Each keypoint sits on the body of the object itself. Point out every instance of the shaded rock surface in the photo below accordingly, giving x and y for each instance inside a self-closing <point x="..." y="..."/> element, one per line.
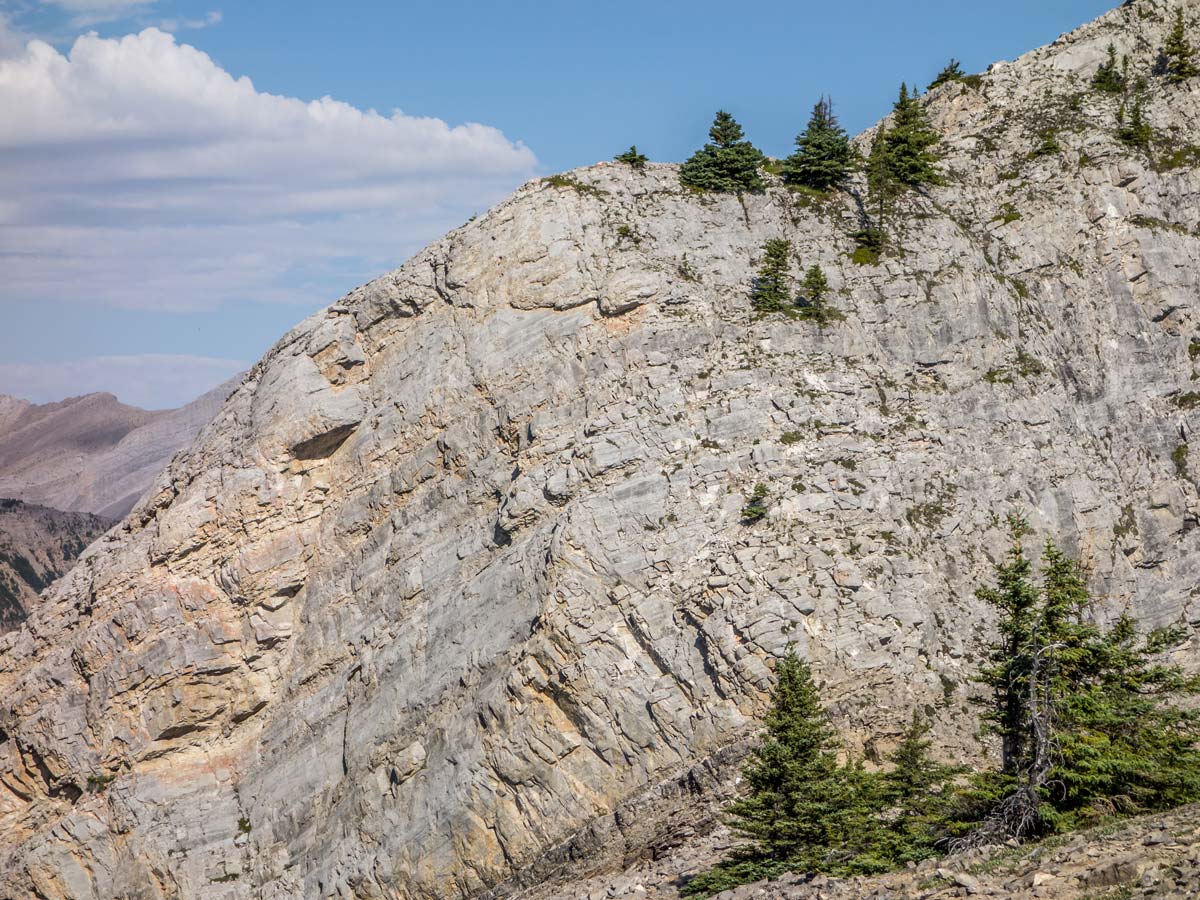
<point x="454" y="594"/>
<point x="37" y="546"/>
<point x="93" y="453"/>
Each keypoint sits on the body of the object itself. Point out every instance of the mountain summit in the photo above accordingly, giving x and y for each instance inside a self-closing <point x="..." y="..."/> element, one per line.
<point x="456" y="594"/>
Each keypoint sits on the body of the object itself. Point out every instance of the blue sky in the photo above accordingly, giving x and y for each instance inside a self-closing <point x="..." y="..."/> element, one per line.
<point x="163" y="222"/>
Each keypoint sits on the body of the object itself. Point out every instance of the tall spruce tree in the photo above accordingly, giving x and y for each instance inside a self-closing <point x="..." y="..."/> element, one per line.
<point x="824" y="156"/>
<point x="803" y="811"/>
<point x="910" y="142"/>
<point x="1006" y="672"/>
<point x="798" y="793"/>
<point x="772" y="286"/>
<point x="918" y="790"/>
<point x="1090" y="718"/>
<point x="1179" y="57"/>
<point x="882" y="191"/>
<point x="727" y="163"/>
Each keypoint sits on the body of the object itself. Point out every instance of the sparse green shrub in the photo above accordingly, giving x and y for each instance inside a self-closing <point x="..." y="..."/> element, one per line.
<point x="566" y="181"/>
<point x="1132" y="128"/>
<point x="632" y="158"/>
<point x="790" y="437"/>
<point x="1047" y="145"/>
<point x="1127" y="524"/>
<point x="927" y="515"/>
<point x="1179" y="458"/>
<point x="1024" y="365"/>
<point x="629" y="233"/>
<point x="1187" y="155"/>
<point x="952" y="72"/>
<point x="727" y="164"/>
<point x="755" y="509"/>
<point x="1008" y="213"/>
<point x="1109" y="77"/>
<point x="98" y="783"/>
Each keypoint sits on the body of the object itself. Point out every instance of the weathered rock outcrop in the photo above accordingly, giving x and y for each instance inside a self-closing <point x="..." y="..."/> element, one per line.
<point x="455" y="589"/>
<point x="93" y="453"/>
<point x="38" y="545"/>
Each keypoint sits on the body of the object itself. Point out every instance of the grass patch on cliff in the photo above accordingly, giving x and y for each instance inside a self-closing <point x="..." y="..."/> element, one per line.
<point x="1024" y="366"/>
<point x="99" y="783"/>
<point x="1127" y="524"/>
<point x="569" y="183"/>
<point x="1180" y="157"/>
<point x="1179" y="458"/>
<point x="628" y="233"/>
<point x="1008" y="213"/>
<point x="1156" y="224"/>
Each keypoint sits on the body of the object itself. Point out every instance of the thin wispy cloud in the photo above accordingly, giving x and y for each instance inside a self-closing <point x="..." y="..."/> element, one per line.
<point x="93" y="12"/>
<point x="173" y="26"/>
<point x="151" y="380"/>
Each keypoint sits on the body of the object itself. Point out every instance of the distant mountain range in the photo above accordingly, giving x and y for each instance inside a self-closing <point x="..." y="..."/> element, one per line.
<point x="37" y="546"/>
<point x="93" y="453"/>
<point x="69" y="471"/>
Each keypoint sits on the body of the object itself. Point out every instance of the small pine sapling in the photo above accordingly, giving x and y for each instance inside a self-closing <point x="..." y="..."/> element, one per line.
<point x="632" y="158"/>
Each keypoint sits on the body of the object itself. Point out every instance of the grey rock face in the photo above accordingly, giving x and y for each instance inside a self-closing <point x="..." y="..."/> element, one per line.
<point x="454" y="594"/>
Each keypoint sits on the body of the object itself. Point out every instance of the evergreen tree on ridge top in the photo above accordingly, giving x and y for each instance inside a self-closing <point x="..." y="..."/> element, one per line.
<point x="727" y="164"/>
<point x="910" y="142"/>
<point x="824" y="155"/>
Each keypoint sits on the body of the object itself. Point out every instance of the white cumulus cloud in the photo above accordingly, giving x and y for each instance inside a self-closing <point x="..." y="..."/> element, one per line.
<point x="137" y="172"/>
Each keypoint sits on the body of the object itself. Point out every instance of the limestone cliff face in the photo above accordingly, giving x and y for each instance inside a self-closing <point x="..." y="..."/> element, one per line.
<point x="455" y="586"/>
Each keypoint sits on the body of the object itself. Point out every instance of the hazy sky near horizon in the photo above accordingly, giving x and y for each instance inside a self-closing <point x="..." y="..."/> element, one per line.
<point x="181" y="182"/>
